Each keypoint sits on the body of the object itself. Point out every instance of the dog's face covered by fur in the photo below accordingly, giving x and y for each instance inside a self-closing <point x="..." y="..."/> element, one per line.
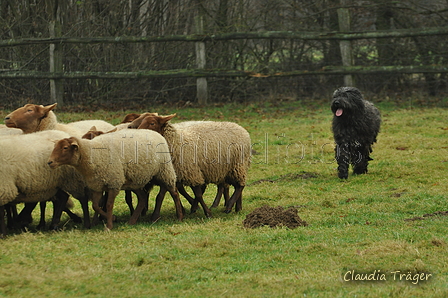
<point x="347" y="101"/>
<point x="356" y="123"/>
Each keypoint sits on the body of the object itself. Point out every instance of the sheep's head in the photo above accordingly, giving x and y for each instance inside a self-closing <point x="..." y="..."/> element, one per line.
<point x="28" y="117"/>
<point x="65" y="152"/>
<point x="93" y="132"/>
<point x="137" y="121"/>
<point x="152" y="122"/>
<point x="130" y="117"/>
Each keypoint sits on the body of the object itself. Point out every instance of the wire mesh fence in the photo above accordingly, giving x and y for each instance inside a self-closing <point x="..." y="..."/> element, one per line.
<point x="264" y="56"/>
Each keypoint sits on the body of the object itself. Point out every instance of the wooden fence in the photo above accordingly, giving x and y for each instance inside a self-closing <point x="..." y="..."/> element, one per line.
<point x="56" y="74"/>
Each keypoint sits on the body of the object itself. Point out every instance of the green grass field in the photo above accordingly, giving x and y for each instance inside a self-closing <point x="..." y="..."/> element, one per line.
<point x="357" y="227"/>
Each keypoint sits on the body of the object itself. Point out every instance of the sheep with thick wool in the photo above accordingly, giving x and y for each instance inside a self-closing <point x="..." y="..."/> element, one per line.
<point x="223" y="188"/>
<point x="126" y="159"/>
<point x="25" y="174"/>
<point x="6" y="131"/>
<point x="205" y="152"/>
<point x="32" y="118"/>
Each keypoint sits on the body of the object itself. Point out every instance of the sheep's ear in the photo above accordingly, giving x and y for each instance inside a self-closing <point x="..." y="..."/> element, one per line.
<point x="130" y="117"/>
<point x="73" y="143"/>
<point x="93" y="128"/>
<point x="43" y="111"/>
<point x="113" y="130"/>
<point x="165" y="119"/>
<point x="50" y="107"/>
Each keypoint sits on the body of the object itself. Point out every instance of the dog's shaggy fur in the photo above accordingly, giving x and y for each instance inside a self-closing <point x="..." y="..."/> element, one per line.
<point x="356" y="123"/>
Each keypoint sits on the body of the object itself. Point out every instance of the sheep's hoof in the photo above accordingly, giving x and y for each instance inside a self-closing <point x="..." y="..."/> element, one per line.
<point x="227" y="211"/>
<point x="194" y="208"/>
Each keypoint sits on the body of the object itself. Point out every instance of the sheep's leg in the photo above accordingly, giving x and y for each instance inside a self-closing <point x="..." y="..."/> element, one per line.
<point x="11" y="215"/>
<point x="72" y="215"/>
<point x="159" y="200"/>
<point x="226" y="194"/>
<point x="148" y="187"/>
<point x="222" y="190"/>
<point x="84" y="201"/>
<point x="2" y="221"/>
<point x="102" y="204"/>
<point x="198" y="198"/>
<point x="110" y="208"/>
<point x="43" y="206"/>
<point x="24" y="218"/>
<point x="195" y="205"/>
<point x="177" y="203"/>
<point x="239" y="203"/>
<point x="234" y="198"/>
<point x="128" y="199"/>
<point x="145" y="201"/>
<point x="183" y="192"/>
<point x="58" y="206"/>
<point x="96" y="199"/>
<point x="142" y="197"/>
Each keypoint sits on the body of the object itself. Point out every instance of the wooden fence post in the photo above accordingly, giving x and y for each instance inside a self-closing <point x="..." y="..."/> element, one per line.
<point x="201" y="83"/>
<point x="345" y="45"/>
<point x="56" y="85"/>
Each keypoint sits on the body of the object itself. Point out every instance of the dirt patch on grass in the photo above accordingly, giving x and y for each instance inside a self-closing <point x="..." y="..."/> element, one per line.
<point x="425" y="216"/>
<point x="288" y="177"/>
<point x="274" y="217"/>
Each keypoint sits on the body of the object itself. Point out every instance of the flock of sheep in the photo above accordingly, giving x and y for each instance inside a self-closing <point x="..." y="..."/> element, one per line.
<point x="92" y="160"/>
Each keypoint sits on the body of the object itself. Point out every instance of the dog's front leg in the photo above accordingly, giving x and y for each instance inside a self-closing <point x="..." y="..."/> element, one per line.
<point x="362" y="160"/>
<point x="342" y="154"/>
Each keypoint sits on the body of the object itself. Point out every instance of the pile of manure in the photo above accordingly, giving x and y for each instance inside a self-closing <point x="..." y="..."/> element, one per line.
<point x="274" y="217"/>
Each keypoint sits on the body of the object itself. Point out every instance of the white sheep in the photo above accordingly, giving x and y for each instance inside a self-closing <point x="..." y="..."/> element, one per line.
<point x="6" y="131"/>
<point x="205" y="152"/>
<point x="25" y="174"/>
<point x="126" y="159"/>
<point x="223" y="188"/>
<point x="32" y="118"/>
<point x="92" y="133"/>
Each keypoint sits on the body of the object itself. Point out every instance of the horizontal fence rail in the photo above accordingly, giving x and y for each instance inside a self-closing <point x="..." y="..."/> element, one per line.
<point x="182" y="73"/>
<point x="399" y="33"/>
<point x="56" y="75"/>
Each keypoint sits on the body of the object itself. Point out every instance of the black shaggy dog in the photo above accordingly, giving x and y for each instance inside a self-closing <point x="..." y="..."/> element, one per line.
<point x="356" y="123"/>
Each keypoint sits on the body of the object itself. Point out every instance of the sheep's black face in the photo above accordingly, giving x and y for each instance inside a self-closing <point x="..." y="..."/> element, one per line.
<point x="347" y="101"/>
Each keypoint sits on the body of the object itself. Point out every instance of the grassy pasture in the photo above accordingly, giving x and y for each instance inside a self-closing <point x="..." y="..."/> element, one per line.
<point x="355" y="226"/>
